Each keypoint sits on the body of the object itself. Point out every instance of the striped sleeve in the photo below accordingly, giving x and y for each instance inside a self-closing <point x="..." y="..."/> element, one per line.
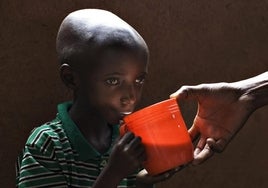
<point x="37" y="166"/>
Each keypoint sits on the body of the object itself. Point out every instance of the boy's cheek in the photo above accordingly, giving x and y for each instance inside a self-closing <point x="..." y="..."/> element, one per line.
<point x="106" y="99"/>
<point x="109" y="95"/>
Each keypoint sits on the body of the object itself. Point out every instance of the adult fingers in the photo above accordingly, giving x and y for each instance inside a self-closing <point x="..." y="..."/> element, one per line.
<point x="200" y="146"/>
<point x="188" y="92"/>
<point x="211" y="143"/>
<point x="202" y="154"/>
<point x="193" y="132"/>
<point x="181" y="93"/>
<point x="220" y="145"/>
<point x="201" y="143"/>
<point x="211" y="146"/>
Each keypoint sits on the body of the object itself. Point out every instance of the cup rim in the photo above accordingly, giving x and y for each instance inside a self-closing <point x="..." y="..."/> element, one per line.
<point x="169" y="103"/>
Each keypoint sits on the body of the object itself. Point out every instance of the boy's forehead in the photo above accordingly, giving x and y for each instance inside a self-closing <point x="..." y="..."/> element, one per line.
<point x="122" y="64"/>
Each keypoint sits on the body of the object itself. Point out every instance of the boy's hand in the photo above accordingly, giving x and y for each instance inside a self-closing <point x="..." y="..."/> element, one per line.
<point x="127" y="155"/>
<point x="144" y="180"/>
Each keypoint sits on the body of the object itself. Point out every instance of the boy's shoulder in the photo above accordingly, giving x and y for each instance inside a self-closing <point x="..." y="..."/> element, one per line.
<point x="46" y="134"/>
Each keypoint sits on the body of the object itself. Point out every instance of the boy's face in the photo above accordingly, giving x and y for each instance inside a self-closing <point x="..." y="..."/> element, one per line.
<point x="115" y="86"/>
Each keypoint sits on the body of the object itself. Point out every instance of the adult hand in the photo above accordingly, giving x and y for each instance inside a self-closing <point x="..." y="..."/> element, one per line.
<point x="223" y="109"/>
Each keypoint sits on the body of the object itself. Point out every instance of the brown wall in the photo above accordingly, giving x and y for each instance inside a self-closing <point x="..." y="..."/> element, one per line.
<point x="190" y="41"/>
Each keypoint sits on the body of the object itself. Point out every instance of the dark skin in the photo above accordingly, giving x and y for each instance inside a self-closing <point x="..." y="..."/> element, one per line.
<point x="113" y="88"/>
<point x="104" y="63"/>
<point x="223" y="109"/>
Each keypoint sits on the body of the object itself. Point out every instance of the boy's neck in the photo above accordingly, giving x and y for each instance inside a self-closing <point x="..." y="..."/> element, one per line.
<point x="97" y="131"/>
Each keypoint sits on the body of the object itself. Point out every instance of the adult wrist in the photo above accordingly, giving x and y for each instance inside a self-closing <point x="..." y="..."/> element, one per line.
<point x="254" y="91"/>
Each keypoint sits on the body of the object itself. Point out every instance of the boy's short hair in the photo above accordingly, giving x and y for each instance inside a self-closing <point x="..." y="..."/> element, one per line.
<point x="85" y="33"/>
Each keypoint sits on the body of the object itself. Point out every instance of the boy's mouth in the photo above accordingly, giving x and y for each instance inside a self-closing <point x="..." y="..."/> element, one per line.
<point x="123" y="114"/>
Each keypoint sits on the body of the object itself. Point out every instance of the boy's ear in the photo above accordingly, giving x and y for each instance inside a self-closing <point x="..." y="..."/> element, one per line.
<point x="69" y="77"/>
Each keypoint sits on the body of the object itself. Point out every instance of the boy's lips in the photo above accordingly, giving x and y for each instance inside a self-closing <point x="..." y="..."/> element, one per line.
<point x="123" y="114"/>
<point x="126" y="113"/>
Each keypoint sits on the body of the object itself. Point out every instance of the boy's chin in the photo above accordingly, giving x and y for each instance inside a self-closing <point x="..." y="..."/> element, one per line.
<point x="114" y="119"/>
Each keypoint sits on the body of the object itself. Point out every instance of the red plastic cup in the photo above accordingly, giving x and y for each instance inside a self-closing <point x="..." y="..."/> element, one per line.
<point x="164" y="135"/>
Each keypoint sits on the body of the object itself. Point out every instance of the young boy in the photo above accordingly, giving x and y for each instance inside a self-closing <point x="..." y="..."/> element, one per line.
<point x="104" y="62"/>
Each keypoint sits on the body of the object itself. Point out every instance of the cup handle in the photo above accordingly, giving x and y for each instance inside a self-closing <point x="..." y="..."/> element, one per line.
<point x="123" y="129"/>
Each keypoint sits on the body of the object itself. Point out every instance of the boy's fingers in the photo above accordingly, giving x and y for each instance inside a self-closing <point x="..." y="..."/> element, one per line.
<point x="126" y="138"/>
<point x="136" y="148"/>
<point x="139" y="151"/>
<point x="142" y="156"/>
<point x="135" y="142"/>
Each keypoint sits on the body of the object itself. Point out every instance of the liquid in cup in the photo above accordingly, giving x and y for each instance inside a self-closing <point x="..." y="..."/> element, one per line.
<point x="164" y="135"/>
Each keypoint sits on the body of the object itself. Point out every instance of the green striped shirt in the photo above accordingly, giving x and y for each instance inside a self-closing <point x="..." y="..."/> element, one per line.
<point x="57" y="155"/>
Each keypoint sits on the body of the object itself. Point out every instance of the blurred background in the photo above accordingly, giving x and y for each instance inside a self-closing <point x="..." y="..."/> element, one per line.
<point x="190" y="42"/>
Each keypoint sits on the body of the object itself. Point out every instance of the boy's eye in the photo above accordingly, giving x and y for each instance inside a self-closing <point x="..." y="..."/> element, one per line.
<point x="140" y="80"/>
<point x="112" y="81"/>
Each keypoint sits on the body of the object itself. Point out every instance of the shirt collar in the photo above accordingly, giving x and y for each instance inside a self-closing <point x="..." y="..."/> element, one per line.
<point x="78" y="141"/>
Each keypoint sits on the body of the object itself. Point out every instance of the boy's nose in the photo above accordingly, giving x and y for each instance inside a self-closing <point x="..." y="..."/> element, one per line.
<point x="128" y="101"/>
<point x="129" y="98"/>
